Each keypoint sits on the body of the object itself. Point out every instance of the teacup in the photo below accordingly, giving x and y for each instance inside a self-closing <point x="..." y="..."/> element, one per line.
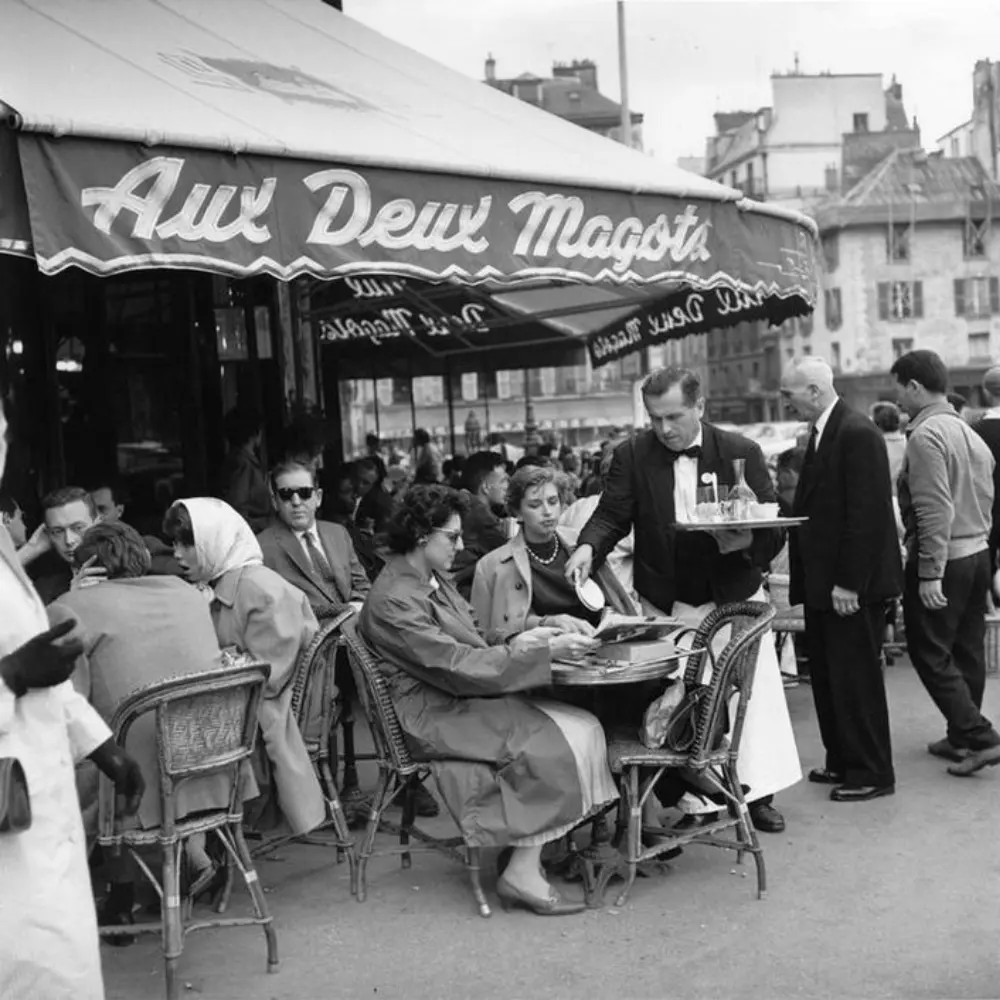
<point x="764" y="511"/>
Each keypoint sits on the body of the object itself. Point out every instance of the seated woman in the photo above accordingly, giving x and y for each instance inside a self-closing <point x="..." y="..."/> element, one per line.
<point x="141" y="629"/>
<point x="523" y="584"/>
<point x="512" y="770"/>
<point x="253" y="608"/>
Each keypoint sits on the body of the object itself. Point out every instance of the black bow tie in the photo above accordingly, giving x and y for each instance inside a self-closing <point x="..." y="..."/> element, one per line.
<point x="693" y="452"/>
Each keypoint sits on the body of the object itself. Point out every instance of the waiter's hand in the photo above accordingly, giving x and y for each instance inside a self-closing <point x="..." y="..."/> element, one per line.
<point x="845" y="602"/>
<point x="579" y="564"/>
<point x="732" y="539"/>
<point x="932" y="595"/>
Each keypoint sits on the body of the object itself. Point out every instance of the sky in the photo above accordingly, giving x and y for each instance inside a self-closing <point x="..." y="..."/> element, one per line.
<point x="687" y="60"/>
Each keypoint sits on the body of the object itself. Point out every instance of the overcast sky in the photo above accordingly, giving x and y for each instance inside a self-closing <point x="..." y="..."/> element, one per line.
<point x="688" y="60"/>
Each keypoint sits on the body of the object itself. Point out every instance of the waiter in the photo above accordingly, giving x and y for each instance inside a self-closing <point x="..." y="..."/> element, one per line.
<point x="651" y="486"/>
<point x="48" y="930"/>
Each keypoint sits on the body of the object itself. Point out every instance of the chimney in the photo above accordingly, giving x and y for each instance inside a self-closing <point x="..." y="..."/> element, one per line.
<point x="491" y="68"/>
<point x="585" y="70"/>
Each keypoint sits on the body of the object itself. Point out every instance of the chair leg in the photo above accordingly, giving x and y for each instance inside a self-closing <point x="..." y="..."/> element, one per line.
<point x="473" y="864"/>
<point x="173" y="926"/>
<point x="409" y="818"/>
<point x="746" y="832"/>
<point x="256" y="895"/>
<point x="383" y="792"/>
<point x="634" y="833"/>
<point x="345" y="845"/>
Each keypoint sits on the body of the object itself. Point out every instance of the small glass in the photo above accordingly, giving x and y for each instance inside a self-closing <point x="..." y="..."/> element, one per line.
<point x="707" y="507"/>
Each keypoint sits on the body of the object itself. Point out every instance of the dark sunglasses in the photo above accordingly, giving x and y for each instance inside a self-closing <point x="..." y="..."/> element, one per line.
<point x="303" y="493"/>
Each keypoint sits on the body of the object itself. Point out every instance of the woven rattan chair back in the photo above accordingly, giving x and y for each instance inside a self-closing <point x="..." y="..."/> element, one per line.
<point x="313" y="687"/>
<point x="732" y="673"/>
<point x="387" y="734"/>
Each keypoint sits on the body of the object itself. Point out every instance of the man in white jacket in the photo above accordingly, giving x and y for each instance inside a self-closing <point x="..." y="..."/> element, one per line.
<point x="48" y="929"/>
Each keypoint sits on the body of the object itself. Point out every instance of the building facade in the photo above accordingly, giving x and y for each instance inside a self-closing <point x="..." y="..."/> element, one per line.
<point x="911" y="260"/>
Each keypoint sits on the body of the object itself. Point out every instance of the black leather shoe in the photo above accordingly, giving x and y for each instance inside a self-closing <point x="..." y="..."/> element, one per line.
<point x="976" y="761"/>
<point x="821" y="776"/>
<point x="861" y="793"/>
<point x="766" y="818"/>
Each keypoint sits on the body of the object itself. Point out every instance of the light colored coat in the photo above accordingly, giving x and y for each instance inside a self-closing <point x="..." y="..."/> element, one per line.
<point x="48" y="928"/>
<point x="140" y="631"/>
<point x="502" y="591"/>
<point x="255" y="609"/>
<point x="283" y="552"/>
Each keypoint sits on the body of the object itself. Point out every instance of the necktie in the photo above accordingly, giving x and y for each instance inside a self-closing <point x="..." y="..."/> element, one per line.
<point x="811" y="447"/>
<point x="320" y="562"/>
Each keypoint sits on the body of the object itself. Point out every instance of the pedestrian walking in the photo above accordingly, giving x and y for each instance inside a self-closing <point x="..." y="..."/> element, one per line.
<point x="845" y="564"/>
<point x="946" y="497"/>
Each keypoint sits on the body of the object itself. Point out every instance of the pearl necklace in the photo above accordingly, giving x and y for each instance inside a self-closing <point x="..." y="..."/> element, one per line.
<point x="544" y="561"/>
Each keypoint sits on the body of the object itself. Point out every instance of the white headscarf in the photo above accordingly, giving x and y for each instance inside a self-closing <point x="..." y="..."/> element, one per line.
<point x="222" y="539"/>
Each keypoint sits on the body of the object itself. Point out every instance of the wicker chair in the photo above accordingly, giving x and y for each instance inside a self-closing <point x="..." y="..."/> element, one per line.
<point x="205" y="724"/>
<point x="640" y="768"/>
<point x="313" y="689"/>
<point x="788" y="620"/>
<point x="398" y="773"/>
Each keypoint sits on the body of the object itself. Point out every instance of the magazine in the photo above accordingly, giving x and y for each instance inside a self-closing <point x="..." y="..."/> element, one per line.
<point x="616" y="627"/>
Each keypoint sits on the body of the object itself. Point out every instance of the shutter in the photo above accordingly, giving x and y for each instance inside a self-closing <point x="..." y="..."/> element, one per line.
<point x="883" y="300"/>
<point x="995" y="295"/>
<point x="918" y="299"/>
<point x="960" y="296"/>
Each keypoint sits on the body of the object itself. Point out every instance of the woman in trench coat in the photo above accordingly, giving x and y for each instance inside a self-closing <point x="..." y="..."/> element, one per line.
<point x="258" y="611"/>
<point x="512" y="770"/>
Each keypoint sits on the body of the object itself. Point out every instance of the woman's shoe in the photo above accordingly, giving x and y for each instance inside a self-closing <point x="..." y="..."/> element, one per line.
<point x="552" y="905"/>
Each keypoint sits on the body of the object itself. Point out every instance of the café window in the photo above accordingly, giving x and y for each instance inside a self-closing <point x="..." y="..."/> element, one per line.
<point x="901" y="346"/>
<point x="979" y="346"/>
<point x="900" y="300"/>
<point x="470" y="387"/>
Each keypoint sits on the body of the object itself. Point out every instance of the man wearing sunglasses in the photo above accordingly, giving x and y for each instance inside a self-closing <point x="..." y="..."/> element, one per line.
<point x="316" y="556"/>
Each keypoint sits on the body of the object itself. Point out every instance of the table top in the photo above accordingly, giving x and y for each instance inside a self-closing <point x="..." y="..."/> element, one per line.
<point x="593" y="671"/>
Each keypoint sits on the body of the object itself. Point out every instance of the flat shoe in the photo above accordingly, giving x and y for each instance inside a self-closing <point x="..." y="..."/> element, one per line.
<point x="552" y="905"/>
<point x="692" y="821"/>
<point x="860" y="793"/>
<point x="976" y="761"/>
<point x="821" y="776"/>
<point x="944" y="748"/>
<point x="767" y="819"/>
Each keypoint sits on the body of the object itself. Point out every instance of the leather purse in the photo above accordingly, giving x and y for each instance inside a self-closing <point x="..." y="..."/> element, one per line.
<point x="15" y="803"/>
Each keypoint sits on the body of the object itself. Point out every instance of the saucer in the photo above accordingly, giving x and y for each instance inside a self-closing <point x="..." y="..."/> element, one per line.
<point x="591" y="596"/>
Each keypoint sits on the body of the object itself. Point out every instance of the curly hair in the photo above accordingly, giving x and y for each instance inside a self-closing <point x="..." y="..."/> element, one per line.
<point x="528" y="477"/>
<point x="422" y="509"/>
<point x="119" y="548"/>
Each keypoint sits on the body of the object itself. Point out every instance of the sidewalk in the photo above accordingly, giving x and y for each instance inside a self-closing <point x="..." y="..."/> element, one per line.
<point x="892" y="898"/>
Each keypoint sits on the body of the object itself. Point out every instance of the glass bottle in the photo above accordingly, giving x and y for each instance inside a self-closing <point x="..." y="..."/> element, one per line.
<point x="740" y="495"/>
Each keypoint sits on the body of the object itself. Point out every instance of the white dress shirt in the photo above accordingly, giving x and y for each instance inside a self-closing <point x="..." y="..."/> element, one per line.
<point x="686" y="483"/>
<point x="822" y="419"/>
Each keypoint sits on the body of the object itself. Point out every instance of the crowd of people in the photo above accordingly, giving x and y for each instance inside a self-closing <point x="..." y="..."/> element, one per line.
<point x="466" y="577"/>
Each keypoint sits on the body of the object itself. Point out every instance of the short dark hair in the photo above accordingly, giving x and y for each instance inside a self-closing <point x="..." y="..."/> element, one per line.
<point x="117" y="489"/>
<point x="422" y="509"/>
<point x="885" y="416"/>
<point x="66" y="495"/>
<point x="792" y="460"/>
<point x="290" y="465"/>
<point x="478" y="468"/>
<point x="118" y="547"/>
<point x="177" y="526"/>
<point x="365" y="464"/>
<point x="924" y="367"/>
<point x="241" y="424"/>
<point x="662" y="380"/>
<point x="532" y="462"/>
<point x="421" y="437"/>
<point x="528" y="477"/>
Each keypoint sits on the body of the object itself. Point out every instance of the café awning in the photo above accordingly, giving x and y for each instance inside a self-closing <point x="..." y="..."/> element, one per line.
<point x="281" y="137"/>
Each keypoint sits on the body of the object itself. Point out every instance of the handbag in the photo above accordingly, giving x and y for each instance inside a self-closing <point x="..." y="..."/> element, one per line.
<point x="15" y="803"/>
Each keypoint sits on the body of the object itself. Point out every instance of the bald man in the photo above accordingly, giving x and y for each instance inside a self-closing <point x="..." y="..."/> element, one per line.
<point x="845" y="564"/>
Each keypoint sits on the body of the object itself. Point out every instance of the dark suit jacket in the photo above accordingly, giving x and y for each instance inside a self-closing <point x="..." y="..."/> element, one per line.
<point x="671" y="565"/>
<point x="284" y="554"/>
<point x="850" y="539"/>
<point x="482" y="532"/>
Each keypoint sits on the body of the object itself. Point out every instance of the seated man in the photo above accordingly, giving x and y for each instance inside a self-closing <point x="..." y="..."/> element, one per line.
<point x="316" y="556"/>
<point x="48" y="554"/>
<point x="484" y="526"/>
<point x="141" y="629"/>
<point x="110" y="498"/>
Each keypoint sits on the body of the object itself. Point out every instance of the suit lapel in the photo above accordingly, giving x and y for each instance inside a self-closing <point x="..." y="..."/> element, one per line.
<point x="712" y="459"/>
<point x="812" y="475"/>
<point x="292" y="548"/>
<point x="519" y="552"/>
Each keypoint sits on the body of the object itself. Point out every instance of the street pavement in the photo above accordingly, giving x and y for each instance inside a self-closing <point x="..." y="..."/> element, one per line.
<point x="892" y="898"/>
